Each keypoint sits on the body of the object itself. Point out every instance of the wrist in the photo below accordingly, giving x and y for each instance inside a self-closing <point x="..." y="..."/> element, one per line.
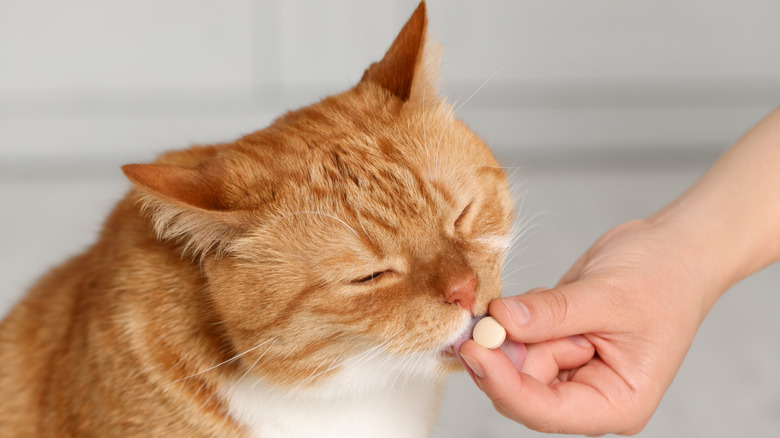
<point x="719" y="239"/>
<point x="698" y="248"/>
<point x="729" y="221"/>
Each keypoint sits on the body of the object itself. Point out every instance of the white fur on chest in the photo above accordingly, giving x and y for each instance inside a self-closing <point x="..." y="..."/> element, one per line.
<point x="383" y="398"/>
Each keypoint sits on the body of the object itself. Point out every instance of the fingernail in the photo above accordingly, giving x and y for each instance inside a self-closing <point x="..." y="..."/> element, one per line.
<point x="518" y="310"/>
<point x="475" y="366"/>
<point x="580" y="340"/>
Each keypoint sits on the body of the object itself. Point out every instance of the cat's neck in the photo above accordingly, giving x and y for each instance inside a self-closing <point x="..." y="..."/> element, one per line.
<point x="356" y="402"/>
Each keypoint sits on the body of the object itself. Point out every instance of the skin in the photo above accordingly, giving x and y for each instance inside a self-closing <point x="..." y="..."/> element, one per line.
<point x="637" y="296"/>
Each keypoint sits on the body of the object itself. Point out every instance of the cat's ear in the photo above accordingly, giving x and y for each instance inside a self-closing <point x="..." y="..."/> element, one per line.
<point x="410" y="68"/>
<point x="184" y="204"/>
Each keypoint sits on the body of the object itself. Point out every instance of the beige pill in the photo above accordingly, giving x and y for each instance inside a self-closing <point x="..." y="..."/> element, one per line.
<point x="489" y="333"/>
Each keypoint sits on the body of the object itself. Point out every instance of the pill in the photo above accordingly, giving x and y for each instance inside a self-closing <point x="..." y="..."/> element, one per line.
<point x="489" y="333"/>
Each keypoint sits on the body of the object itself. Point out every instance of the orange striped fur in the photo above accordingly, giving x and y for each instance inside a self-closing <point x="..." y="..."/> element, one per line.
<point x="333" y="255"/>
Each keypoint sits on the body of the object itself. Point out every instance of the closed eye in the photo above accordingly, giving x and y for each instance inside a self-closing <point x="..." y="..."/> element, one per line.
<point x="462" y="215"/>
<point x="369" y="278"/>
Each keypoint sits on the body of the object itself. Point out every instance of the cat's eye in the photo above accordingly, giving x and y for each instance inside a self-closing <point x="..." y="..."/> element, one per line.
<point x="463" y="214"/>
<point x="369" y="278"/>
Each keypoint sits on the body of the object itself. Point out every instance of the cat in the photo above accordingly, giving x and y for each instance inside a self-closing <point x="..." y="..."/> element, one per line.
<point x="311" y="279"/>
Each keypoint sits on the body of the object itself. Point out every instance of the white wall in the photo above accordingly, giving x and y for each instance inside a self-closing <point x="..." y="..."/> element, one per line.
<point x="99" y="82"/>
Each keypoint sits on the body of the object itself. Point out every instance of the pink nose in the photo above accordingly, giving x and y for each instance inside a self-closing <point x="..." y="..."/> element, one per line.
<point x="460" y="291"/>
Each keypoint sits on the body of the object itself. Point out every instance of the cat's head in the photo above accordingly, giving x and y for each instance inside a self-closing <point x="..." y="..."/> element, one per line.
<point x="371" y="226"/>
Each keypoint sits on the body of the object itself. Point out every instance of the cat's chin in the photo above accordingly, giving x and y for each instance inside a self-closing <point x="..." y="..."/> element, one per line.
<point x="450" y="355"/>
<point x="449" y="359"/>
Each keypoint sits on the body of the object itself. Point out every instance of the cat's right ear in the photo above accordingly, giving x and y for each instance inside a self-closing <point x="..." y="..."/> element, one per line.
<point x="410" y="68"/>
<point x="185" y="204"/>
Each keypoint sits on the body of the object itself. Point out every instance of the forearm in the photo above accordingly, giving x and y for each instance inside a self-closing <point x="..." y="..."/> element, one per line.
<point x="728" y="223"/>
<point x="634" y="296"/>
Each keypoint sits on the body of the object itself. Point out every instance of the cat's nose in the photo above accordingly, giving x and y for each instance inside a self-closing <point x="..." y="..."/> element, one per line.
<point x="460" y="291"/>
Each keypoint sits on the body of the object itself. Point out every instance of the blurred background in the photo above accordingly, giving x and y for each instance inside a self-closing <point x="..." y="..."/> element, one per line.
<point x="602" y="110"/>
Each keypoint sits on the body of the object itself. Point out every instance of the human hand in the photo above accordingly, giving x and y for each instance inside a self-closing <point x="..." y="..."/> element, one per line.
<point x="637" y="296"/>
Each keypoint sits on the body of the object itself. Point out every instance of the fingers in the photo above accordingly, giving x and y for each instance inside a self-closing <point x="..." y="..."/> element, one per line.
<point x="577" y="406"/>
<point x="545" y="361"/>
<point x="554" y="313"/>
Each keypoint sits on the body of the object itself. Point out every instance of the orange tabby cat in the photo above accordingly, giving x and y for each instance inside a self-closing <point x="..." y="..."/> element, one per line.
<point x="313" y="278"/>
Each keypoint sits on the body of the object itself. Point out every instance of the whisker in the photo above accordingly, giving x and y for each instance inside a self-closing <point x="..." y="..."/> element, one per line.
<point x="438" y="143"/>
<point x="362" y="358"/>
<point x="407" y="359"/>
<point x="364" y="230"/>
<point x="505" y="168"/>
<point x="417" y="360"/>
<point x="520" y="268"/>
<point x="366" y="355"/>
<point x="381" y="364"/>
<point x="398" y="373"/>
<point x="222" y="363"/>
<point x="514" y="284"/>
<point x="477" y="90"/>
<point x="313" y="375"/>
<point x="512" y="256"/>
<point x="250" y="368"/>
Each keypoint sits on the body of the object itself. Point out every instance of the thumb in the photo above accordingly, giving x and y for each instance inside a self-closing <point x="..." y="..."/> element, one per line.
<point x="545" y="314"/>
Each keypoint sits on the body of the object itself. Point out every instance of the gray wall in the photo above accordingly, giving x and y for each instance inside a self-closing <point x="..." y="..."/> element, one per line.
<point x="91" y="84"/>
<point x="609" y="109"/>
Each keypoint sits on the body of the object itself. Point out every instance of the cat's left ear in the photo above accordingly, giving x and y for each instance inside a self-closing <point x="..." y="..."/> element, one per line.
<point x="410" y="68"/>
<point x="185" y="204"/>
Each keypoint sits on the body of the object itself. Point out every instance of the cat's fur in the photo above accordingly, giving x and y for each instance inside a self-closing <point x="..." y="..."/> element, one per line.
<point x="236" y="290"/>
